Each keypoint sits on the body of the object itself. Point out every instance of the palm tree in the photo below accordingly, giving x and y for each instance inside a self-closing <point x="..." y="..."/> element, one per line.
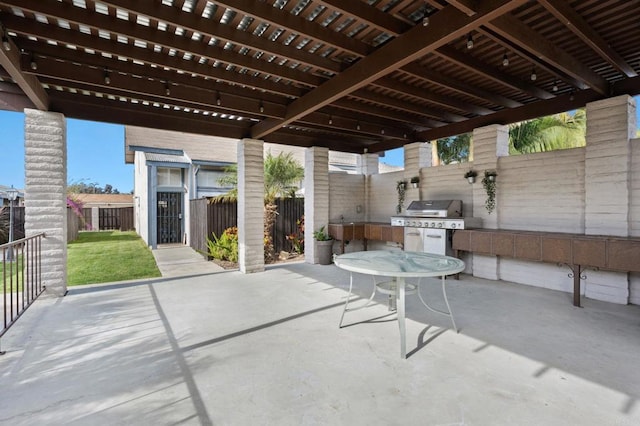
<point x="282" y="173"/>
<point x="558" y="131"/>
<point x="454" y="149"/>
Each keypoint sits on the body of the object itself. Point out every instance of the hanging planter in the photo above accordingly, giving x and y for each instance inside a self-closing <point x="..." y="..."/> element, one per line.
<point x="489" y="184"/>
<point x="470" y="176"/>
<point x="415" y="181"/>
<point x="401" y="188"/>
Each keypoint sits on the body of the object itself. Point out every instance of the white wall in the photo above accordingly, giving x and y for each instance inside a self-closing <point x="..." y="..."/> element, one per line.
<point x="383" y="197"/>
<point x="448" y="183"/>
<point x="634" y="215"/>
<point x="140" y="193"/>
<point x="347" y="192"/>
<point x="542" y="192"/>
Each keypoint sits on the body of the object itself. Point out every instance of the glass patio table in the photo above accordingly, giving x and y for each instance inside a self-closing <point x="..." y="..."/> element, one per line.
<point x="399" y="265"/>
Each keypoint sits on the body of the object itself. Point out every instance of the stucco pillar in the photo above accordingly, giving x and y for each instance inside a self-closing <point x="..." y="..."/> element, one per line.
<point x="611" y="124"/>
<point x="416" y="156"/>
<point x="95" y="218"/>
<point x="46" y="193"/>
<point x="251" y="205"/>
<point x="316" y="197"/>
<point x="368" y="164"/>
<point x="490" y="143"/>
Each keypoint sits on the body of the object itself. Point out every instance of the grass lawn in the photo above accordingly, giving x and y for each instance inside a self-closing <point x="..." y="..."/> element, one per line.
<point x="12" y="275"/>
<point x="106" y="256"/>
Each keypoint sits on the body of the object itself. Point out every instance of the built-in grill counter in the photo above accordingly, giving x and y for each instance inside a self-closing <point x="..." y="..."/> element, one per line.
<point x="429" y="225"/>
<point x="577" y="251"/>
<point x="365" y="231"/>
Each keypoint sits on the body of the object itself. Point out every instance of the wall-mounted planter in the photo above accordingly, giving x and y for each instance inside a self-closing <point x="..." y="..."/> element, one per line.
<point x="471" y="176"/>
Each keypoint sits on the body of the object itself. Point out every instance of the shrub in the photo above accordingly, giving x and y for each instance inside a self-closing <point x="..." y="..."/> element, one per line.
<point x="297" y="238"/>
<point x="224" y="247"/>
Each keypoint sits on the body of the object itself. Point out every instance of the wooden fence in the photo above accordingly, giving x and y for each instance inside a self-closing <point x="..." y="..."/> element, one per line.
<point x="211" y="218"/>
<point x="18" y="224"/>
<point x="120" y="218"/>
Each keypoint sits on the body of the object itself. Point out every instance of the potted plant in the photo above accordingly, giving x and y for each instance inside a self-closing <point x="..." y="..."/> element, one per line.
<point x="415" y="181"/>
<point x="323" y="245"/>
<point x="489" y="184"/>
<point x="471" y="176"/>
<point x="400" y="187"/>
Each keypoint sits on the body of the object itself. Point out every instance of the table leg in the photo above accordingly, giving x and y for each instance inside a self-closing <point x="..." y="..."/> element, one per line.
<point x="401" y="320"/>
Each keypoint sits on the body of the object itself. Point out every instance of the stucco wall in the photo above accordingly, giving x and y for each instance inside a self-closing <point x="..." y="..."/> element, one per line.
<point x="634" y="215"/>
<point x="141" y="199"/>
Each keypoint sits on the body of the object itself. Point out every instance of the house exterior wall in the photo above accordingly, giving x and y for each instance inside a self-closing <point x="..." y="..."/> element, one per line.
<point x="634" y="215"/>
<point x="141" y="196"/>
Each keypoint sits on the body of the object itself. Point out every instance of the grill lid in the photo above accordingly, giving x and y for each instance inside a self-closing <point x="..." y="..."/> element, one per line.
<point x="435" y="208"/>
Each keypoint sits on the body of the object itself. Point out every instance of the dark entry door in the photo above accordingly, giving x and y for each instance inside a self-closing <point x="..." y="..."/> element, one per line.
<point x="169" y="217"/>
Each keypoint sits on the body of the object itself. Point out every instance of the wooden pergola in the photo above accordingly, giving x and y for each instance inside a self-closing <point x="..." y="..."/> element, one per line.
<point x="349" y="75"/>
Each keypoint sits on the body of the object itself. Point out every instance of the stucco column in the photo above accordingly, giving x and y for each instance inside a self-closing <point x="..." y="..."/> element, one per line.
<point x="490" y="143"/>
<point x="611" y="124"/>
<point x="367" y="164"/>
<point x="46" y="193"/>
<point x="416" y="156"/>
<point x="316" y="197"/>
<point x="251" y="205"/>
<point x="95" y="218"/>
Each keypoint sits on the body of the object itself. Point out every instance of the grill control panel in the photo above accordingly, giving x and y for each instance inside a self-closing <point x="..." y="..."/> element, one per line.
<point x="437" y="223"/>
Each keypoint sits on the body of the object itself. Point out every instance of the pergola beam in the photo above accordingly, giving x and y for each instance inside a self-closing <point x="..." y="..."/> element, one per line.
<point x="148" y="35"/>
<point x="448" y="24"/>
<point x="264" y="11"/>
<point x="515" y="31"/>
<point x="582" y="29"/>
<point x="228" y="33"/>
<point x="10" y="61"/>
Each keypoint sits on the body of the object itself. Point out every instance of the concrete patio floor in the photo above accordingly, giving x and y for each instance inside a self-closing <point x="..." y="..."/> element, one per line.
<point x="233" y="349"/>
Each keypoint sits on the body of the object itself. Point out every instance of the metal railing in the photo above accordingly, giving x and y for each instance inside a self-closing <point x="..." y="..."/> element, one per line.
<point x="21" y="278"/>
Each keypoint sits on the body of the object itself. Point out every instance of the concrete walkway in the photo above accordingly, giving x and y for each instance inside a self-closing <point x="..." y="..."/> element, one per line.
<point x="175" y="260"/>
<point x="243" y="349"/>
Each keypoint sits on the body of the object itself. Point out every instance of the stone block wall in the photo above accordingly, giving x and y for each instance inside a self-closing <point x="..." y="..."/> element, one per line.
<point x="46" y="193"/>
<point x="250" y="206"/>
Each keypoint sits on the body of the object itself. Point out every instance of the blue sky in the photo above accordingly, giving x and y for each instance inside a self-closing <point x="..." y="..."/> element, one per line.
<point x="95" y="152"/>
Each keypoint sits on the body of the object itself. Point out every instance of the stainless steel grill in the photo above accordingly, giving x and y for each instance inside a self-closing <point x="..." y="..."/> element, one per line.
<point x="429" y="225"/>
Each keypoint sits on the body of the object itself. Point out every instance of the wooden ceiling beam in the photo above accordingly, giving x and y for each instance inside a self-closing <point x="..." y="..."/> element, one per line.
<point x="56" y="73"/>
<point x="359" y="107"/>
<point x="151" y="36"/>
<point x="76" y="75"/>
<point x="228" y="33"/>
<point x="168" y="39"/>
<point x="458" y="86"/>
<point x="403" y="105"/>
<point x="115" y="111"/>
<point x="447" y="25"/>
<point x="430" y="96"/>
<point x="465" y="6"/>
<point x="471" y="64"/>
<point x="84" y="41"/>
<point x="514" y="30"/>
<point x="377" y="18"/>
<point x="196" y="78"/>
<point x="10" y="61"/>
<point x="263" y="11"/>
<point x="565" y="13"/>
